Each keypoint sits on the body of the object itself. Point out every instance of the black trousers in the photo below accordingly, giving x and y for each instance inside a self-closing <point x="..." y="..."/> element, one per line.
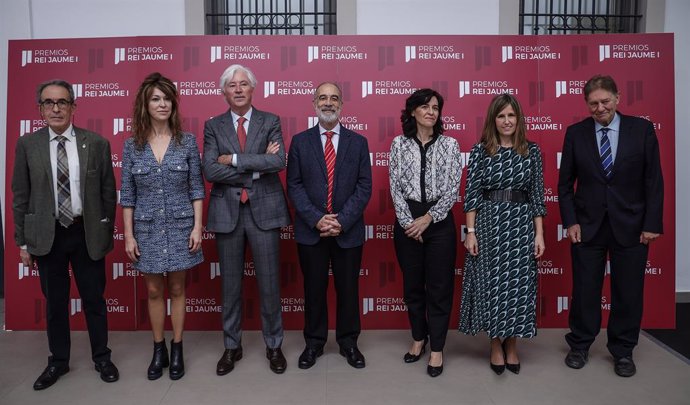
<point x="345" y="262"/>
<point x="69" y="247"/>
<point x="627" y="288"/>
<point x="428" y="270"/>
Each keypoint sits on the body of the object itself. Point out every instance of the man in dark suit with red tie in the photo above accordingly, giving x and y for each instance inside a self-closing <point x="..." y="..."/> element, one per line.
<point x="611" y="195"/>
<point x="329" y="184"/>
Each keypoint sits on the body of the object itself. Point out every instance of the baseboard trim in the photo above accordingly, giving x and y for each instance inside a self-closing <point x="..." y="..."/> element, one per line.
<point x="683" y="296"/>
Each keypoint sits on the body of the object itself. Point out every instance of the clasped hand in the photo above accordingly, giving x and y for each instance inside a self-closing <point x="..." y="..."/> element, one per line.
<point x="328" y="225"/>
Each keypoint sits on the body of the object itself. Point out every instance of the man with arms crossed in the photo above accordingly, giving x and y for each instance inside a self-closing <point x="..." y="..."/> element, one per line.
<point x="243" y="153"/>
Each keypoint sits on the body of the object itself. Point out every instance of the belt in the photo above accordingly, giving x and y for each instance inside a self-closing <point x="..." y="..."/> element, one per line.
<point x="507" y="195"/>
<point x="76" y="220"/>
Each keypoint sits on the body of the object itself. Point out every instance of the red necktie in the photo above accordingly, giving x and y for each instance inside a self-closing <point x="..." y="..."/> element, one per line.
<point x="242" y="138"/>
<point x="329" y="154"/>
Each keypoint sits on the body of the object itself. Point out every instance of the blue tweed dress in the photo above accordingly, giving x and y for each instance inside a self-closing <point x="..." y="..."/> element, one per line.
<point x="162" y="195"/>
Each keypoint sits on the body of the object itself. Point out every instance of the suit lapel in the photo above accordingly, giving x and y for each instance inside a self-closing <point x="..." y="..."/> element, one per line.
<point x="44" y="155"/>
<point x="343" y="146"/>
<point x="624" y="127"/>
<point x="255" y="125"/>
<point x="318" y="153"/>
<point x="228" y="134"/>
<point x="592" y="148"/>
<point x="83" y="146"/>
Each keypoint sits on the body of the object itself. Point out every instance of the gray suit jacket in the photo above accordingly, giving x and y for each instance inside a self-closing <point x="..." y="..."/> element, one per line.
<point x="34" y="199"/>
<point x="266" y="195"/>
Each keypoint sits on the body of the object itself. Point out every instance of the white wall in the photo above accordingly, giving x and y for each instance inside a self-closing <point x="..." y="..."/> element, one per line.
<point x="676" y="21"/>
<point x="427" y="17"/>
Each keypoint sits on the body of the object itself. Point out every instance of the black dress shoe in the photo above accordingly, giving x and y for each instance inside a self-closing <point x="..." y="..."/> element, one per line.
<point x="108" y="371"/>
<point x="49" y="376"/>
<point x="411" y="358"/>
<point x="354" y="357"/>
<point x="227" y="361"/>
<point x="159" y="361"/>
<point x="434" y="371"/>
<point x="308" y="357"/>
<point x="276" y="360"/>
<point x="624" y="366"/>
<point x="176" y="361"/>
<point x="576" y="358"/>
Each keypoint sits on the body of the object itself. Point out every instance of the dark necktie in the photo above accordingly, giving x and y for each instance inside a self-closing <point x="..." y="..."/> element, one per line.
<point x="329" y="154"/>
<point x="242" y="138"/>
<point x="64" y="197"/>
<point x="605" y="153"/>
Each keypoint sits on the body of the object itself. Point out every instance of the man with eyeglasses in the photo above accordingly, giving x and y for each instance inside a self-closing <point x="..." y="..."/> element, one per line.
<point x="243" y="154"/>
<point x="329" y="184"/>
<point x="64" y="212"/>
<point x="611" y="195"/>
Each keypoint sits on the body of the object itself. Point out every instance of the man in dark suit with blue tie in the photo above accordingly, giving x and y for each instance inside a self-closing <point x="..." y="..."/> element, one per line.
<point x="243" y="153"/>
<point x="64" y="213"/>
<point x="611" y="195"/>
<point x="329" y="184"/>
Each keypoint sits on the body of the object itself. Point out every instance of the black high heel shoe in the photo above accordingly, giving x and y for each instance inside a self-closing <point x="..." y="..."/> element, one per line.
<point x="411" y="358"/>
<point x="434" y="371"/>
<point x="498" y="368"/>
<point x="513" y="368"/>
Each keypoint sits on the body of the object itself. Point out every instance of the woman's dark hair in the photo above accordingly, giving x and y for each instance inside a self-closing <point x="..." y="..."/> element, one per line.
<point x="420" y="97"/>
<point x="141" y="120"/>
<point x="491" y="139"/>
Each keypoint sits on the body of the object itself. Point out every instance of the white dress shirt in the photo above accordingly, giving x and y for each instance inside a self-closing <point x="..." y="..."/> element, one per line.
<point x="334" y="139"/>
<point x="73" y="159"/>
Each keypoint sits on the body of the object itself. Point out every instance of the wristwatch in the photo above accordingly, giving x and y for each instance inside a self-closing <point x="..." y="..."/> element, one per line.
<point x="470" y="230"/>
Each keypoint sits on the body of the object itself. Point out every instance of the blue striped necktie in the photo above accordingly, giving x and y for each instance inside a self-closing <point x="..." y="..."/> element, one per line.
<point x="605" y="153"/>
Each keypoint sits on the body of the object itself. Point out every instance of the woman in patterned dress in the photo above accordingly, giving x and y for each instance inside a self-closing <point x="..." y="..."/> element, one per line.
<point x="424" y="171"/>
<point x="161" y="197"/>
<point x="504" y="206"/>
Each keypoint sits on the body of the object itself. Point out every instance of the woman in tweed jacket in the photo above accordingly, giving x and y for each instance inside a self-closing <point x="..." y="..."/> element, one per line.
<point x="161" y="196"/>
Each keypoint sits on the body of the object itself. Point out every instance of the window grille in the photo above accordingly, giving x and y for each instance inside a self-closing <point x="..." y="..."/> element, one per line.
<point x="271" y="17"/>
<point x="558" y="17"/>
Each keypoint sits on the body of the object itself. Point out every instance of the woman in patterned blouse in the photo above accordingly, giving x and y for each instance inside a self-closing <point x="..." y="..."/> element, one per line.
<point x="161" y="196"/>
<point x="504" y="206"/>
<point x="424" y="172"/>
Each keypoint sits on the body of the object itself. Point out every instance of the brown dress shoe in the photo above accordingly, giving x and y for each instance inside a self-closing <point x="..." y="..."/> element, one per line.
<point x="227" y="361"/>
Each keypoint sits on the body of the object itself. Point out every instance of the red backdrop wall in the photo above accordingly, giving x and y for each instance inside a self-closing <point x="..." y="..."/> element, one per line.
<point x="376" y="73"/>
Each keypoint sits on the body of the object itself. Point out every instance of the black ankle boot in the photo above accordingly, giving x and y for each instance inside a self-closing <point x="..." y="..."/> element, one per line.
<point x="159" y="361"/>
<point x="176" y="361"/>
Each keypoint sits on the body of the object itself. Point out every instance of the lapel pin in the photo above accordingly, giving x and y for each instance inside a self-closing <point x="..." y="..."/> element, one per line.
<point x="83" y="145"/>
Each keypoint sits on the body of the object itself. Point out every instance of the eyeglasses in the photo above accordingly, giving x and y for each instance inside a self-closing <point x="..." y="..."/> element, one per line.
<point x="50" y="104"/>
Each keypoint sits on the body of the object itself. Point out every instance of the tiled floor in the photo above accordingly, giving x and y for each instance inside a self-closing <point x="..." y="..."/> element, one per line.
<point x="662" y="378"/>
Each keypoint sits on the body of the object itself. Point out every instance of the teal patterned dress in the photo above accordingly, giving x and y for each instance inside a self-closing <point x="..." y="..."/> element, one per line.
<point x="499" y="287"/>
